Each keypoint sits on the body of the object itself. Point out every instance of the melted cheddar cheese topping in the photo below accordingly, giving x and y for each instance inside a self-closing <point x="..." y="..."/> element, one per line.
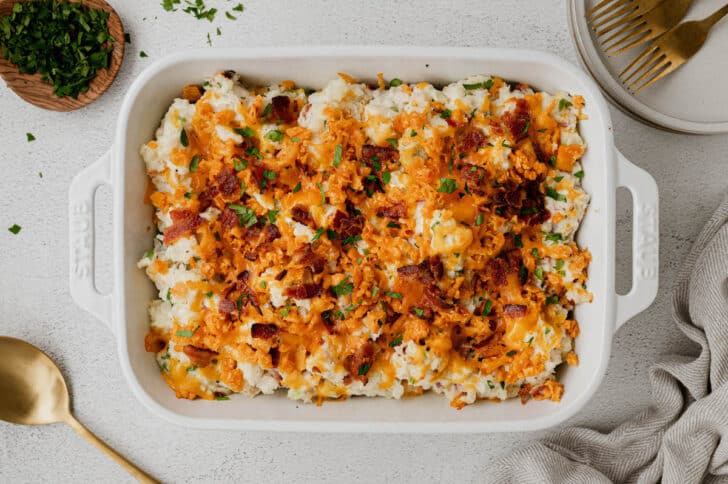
<point x="359" y="240"/>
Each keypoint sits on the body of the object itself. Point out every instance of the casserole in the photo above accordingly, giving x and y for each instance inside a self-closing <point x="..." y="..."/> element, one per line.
<point x="125" y="308"/>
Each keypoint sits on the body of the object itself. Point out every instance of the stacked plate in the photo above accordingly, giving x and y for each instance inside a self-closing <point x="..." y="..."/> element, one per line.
<point x="694" y="99"/>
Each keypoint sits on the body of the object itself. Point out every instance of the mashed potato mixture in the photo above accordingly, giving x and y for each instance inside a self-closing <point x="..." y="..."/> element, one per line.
<point x="378" y="240"/>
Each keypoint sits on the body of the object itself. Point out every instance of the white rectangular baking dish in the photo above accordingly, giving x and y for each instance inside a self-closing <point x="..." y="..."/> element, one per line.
<point x="124" y="310"/>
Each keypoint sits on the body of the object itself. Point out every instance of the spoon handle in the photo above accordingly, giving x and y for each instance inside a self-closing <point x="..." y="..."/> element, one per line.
<point x="133" y="470"/>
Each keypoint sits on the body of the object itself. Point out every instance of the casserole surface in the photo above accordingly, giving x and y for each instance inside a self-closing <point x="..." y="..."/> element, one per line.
<point x="366" y="241"/>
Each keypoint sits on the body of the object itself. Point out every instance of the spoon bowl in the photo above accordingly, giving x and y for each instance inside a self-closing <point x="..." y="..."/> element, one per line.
<point x="33" y="392"/>
<point x="34" y="90"/>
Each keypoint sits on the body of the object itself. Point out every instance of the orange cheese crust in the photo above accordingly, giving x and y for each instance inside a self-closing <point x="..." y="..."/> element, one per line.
<point x="423" y="238"/>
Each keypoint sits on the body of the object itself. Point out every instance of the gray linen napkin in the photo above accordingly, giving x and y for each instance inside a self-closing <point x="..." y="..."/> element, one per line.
<point x="683" y="436"/>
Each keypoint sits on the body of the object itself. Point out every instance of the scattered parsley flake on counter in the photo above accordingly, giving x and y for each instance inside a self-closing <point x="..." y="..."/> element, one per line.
<point x="142" y="54"/>
<point x="30" y="137"/>
<point x="230" y="16"/>
<point x="15" y="229"/>
<point x="127" y="38"/>
<point x="239" y="7"/>
<point x="67" y="43"/>
<point x="40" y="174"/>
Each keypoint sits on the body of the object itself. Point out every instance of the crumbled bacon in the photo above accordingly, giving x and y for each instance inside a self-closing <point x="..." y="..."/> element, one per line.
<point x="381" y="154"/>
<point x="200" y="357"/>
<point x="525" y="393"/>
<point x="227" y="182"/>
<point x="431" y="299"/>
<point x="184" y="222"/>
<point x="283" y="109"/>
<point x="307" y="257"/>
<point x="347" y="225"/>
<point x="395" y="210"/>
<point x="304" y="291"/>
<point x="206" y="196"/>
<point x="496" y="269"/>
<point x="391" y="315"/>
<point x="518" y="120"/>
<point x="271" y="233"/>
<point x="300" y="214"/>
<point x="515" y="310"/>
<point x="473" y="175"/>
<point x="226" y="306"/>
<point x="360" y="362"/>
<point x="427" y="271"/>
<point x="470" y="139"/>
<point x="228" y="219"/>
<point x="263" y="331"/>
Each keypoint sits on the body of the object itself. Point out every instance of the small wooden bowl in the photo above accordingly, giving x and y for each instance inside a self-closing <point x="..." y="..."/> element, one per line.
<point x="32" y="89"/>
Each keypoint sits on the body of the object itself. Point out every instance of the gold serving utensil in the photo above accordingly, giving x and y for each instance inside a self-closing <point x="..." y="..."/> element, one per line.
<point x="607" y="11"/>
<point x="642" y="25"/>
<point x="670" y="51"/>
<point x="33" y="392"/>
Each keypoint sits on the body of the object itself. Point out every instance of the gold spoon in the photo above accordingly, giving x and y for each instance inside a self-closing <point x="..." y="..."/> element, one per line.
<point x="33" y="392"/>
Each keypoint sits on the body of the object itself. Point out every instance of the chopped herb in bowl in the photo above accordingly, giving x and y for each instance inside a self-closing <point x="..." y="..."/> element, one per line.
<point x="67" y="43"/>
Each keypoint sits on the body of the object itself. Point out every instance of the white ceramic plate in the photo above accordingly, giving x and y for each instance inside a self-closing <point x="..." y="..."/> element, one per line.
<point x="693" y="99"/>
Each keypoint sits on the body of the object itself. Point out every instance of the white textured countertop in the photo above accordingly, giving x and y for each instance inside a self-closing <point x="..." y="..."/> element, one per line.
<point x="35" y="303"/>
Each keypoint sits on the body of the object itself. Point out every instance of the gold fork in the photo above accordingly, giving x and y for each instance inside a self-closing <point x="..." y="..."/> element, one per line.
<point x="670" y="51"/>
<point x="642" y="25"/>
<point x="609" y="10"/>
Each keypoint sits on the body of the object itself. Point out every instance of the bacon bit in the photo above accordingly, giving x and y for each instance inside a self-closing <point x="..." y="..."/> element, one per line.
<point x="192" y="93"/>
<point x="227" y="182"/>
<point x="228" y="219"/>
<point x="226" y="306"/>
<point x="184" y="222"/>
<point x="431" y="299"/>
<point x="200" y="357"/>
<point x="271" y="233"/>
<point x="283" y="109"/>
<point x="525" y="201"/>
<point x="524" y="393"/>
<point x="493" y="345"/>
<point x="263" y="331"/>
<point x="436" y="267"/>
<point x="304" y="291"/>
<point x="251" y="256"/>
<point x="395" y="210"/>
<point x="206" y="196"/>
<point x="346" y="225"/>
<point x="473" y="175"/>
<point x="327" y="317"/>
<point x="391" y="316"/>
<point x="153" y="342"/>
<point x="362" y="359"/>
<point x="382" y="154"/>
<point x="496" y="269"/>
<point x="517" y="120"/>
<point x="300" y="214"/>
<point x="515" y="310"/>
<point x="275" y="358"/>
<point x="307" y="257"/>
<point x="281" y="275"/>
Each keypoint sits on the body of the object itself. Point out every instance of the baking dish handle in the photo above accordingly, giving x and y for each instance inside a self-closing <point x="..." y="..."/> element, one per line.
<point x="81" y="238"/>
<point x="645" y="240"/>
